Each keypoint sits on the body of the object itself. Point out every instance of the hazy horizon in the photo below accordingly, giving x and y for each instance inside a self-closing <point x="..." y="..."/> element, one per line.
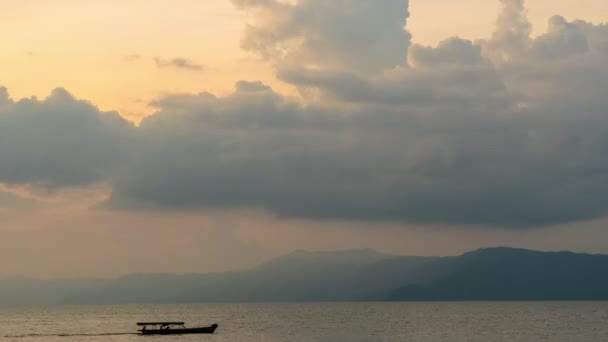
<point x="295" y="253"/>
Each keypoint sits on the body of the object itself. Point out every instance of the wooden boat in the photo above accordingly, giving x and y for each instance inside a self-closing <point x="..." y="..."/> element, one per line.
<point x="173" y="328"/>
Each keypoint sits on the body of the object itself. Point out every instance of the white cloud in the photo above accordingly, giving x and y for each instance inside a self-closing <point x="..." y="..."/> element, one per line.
<point x="355" y="35"/>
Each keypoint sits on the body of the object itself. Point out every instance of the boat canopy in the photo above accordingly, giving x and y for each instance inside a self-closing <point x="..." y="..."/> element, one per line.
<point x="160" y="323"/>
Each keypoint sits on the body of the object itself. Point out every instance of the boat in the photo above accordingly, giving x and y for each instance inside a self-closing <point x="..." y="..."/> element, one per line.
<point x="173" y="328"/>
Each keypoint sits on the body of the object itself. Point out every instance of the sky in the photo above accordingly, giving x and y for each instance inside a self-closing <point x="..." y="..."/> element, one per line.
<point x="193" y="136"/>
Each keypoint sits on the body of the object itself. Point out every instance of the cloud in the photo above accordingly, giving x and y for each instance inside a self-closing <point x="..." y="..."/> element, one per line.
<point x="132" y="57"/>
<point x="355" y="35"/>
<point x="510" y="131"/>
<point x="258" y="149"/>
<point x="512" y="35"/>
<point x="461" y="136"/>
<point x="452" y="51"/>
<point x="180" y="63"/>
<point x="570" y="39"/>
<point x="58" y="141"/>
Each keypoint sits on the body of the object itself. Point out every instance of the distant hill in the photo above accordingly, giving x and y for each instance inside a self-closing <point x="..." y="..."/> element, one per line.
<point x="509" y="274"/>
<point x="486" y="274"/>
<point x="299" y="276"/>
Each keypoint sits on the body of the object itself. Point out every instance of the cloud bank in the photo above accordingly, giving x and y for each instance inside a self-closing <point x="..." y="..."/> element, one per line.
<point x="507" y="131"/>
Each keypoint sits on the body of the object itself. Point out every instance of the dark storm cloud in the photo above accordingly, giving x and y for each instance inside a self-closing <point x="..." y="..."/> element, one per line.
<point x="180" y="63"/>
<point x="468" y="167"/>
<point x="509" y="131"/>
<point x="59" y="141"/>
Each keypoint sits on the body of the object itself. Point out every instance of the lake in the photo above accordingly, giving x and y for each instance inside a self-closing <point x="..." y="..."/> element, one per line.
<point x="423" y="322"/>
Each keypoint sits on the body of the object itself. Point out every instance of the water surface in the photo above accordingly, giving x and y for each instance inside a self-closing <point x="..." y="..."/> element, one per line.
<point x="423" y="322"/>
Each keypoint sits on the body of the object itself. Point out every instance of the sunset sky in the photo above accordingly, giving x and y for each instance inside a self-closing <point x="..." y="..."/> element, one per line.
<point x="193" y="136"/>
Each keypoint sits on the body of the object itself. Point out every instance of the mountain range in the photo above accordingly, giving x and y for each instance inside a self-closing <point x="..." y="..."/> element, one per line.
<point x="355" y="275"/>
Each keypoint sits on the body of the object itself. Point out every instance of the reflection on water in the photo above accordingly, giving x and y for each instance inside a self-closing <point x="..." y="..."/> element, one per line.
<point x="525" y="321"/>
<point x="66" y="335"/>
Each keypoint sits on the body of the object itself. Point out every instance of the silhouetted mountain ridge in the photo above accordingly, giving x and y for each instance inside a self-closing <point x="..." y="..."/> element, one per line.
<point x="512" y="274"/>
<point x="355" y="275"/>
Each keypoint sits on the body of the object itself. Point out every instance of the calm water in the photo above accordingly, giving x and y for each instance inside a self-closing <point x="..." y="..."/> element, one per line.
<point x="318" y="322"/>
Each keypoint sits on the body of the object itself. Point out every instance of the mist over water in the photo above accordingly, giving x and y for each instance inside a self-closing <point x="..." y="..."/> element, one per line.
<point x="473" y="321"/>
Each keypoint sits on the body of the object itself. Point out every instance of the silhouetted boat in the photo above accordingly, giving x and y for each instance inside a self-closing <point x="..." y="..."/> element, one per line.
<point x="173" y="328"/>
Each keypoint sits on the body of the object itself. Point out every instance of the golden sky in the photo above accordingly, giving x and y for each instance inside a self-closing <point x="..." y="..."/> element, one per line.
<point x="104" y="50"/>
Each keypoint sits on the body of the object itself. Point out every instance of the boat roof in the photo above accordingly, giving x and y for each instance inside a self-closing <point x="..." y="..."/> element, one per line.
<point x="160" y="323"/>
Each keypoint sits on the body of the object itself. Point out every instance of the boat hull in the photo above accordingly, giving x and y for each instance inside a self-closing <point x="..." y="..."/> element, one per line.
<point x="182" y="331"/>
